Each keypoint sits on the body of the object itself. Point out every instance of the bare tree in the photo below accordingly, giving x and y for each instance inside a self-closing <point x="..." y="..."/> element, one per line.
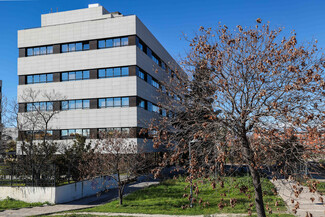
<point x="249" y="96"/>
<point x="115" y="156"/>
<point x="8" y="125"/>
<point x="39" y="112"/>
<point x="37" y="142"/>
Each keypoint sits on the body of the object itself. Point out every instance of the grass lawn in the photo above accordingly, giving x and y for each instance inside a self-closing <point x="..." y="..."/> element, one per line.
<point x="320" y="185"/>
<point x="81" y="215"/>
<point x="167" y="198"/>
<point x="321" y="188"/>
<point x="10" y="203"/>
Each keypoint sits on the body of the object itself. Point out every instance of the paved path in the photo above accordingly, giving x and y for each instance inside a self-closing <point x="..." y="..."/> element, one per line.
<point x="285" y="190"/>
<point x="153" y="215"/>
<point x="78" y="204"/>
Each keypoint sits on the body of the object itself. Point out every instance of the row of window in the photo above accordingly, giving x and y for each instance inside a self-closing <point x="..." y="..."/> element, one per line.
<point x="114" y="102"/>
<point x="152" y="107"/>
<point x="43" y="78"/>
<point x="150" y="54"/>
<point x="39" y="106"/>
<point x="73" y="132"/>
<point x="72" y="47"/>
<point x="37" y="135"/>
<point x="102" y="103"/>
<point x="84" y="75"/>
<point x="75" y="104"/>
<point x="113" y="42"/>
<point x="79" y="46"/>
<point x="148" y="78"/>
<point x="113" y="72"/>
<point x="112" y="130"/>
<point x="78" y="75"/>
<point x="73" y="76"/>
<point x="36" y="51"/>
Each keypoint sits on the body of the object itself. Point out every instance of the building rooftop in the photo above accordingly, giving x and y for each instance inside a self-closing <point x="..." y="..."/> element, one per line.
<point x="93" y="12"/>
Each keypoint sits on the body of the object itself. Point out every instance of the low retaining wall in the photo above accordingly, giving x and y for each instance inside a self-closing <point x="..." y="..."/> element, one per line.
<point x="29" y="194"/>
<point x="61" y="194"/>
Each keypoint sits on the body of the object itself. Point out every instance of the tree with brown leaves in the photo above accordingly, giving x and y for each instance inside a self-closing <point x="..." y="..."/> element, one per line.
<point x="249" y="96"/>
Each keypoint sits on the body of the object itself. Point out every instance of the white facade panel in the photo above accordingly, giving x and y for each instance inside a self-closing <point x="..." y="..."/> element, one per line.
<point x="154" y="44"/>
<point x="81" y="60"/>
<point x="93" y="118"/>
<point x="96" y="118"/>
<point x="84" y="89"/>
<point x="80" y="31"/>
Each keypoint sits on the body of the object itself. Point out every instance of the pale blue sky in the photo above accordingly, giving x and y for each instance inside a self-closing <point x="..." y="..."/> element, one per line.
<point x="166" y="19"/>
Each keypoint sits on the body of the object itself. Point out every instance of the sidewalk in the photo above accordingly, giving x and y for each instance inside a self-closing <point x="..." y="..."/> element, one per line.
<point x="285" y="190"/>
<point x="78" y="204"/>
<point x="153" y="215"/>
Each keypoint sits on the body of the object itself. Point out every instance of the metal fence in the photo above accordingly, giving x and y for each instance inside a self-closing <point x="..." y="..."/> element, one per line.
<point x="28" y="175"/>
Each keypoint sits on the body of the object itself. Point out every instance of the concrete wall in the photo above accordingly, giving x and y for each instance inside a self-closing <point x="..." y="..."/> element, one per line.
<point x="62" y="194"/>
<point x="82" y="189"/>
<point x="29" y="194"/>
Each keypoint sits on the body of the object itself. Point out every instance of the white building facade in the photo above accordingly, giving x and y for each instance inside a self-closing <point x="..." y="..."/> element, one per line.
<point x="108" y="67"/>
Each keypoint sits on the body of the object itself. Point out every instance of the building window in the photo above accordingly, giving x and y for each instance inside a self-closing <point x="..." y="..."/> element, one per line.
<point x="139" y="43"/>
<point x="155" y="108"/>
<point x="114" y="102"/>
<point x="152" y="81"/>
<point x="125" y="102"/>
<point x="163" y="88"/>
<point x="72" y="133"/>
<point x="142" y="103"/>
<point x="124" y="41"/>
<point x="117" y="102"/>
<point x="43" y="78"/>
<point x="155" y="59"/>
<point x="115" y="42"/>
<point x="75" y="104"/>
<point x="163" y="66"/>
<point x="113" y="72"/>
<point x="149" y="108"/>
<point x="140" y="73"/>
<point x="152" y="107"/>
<point x="36" y="51"/>
<point x="39" y="106"/>
<point x="73" y="76"/>
<point x="149" y="52"/>
<point x="155" y="83"/>
<point x="163" y="112"/>
<point x="72" y="47"/>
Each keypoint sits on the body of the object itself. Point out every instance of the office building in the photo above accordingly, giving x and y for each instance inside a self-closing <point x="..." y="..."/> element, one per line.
<point x="107" y="66"/>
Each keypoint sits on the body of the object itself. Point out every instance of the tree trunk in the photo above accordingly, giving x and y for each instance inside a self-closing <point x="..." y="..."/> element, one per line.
<point x="258" y="192"/>
<point x="120" y="194"/>
<point x="255" y="176"/>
